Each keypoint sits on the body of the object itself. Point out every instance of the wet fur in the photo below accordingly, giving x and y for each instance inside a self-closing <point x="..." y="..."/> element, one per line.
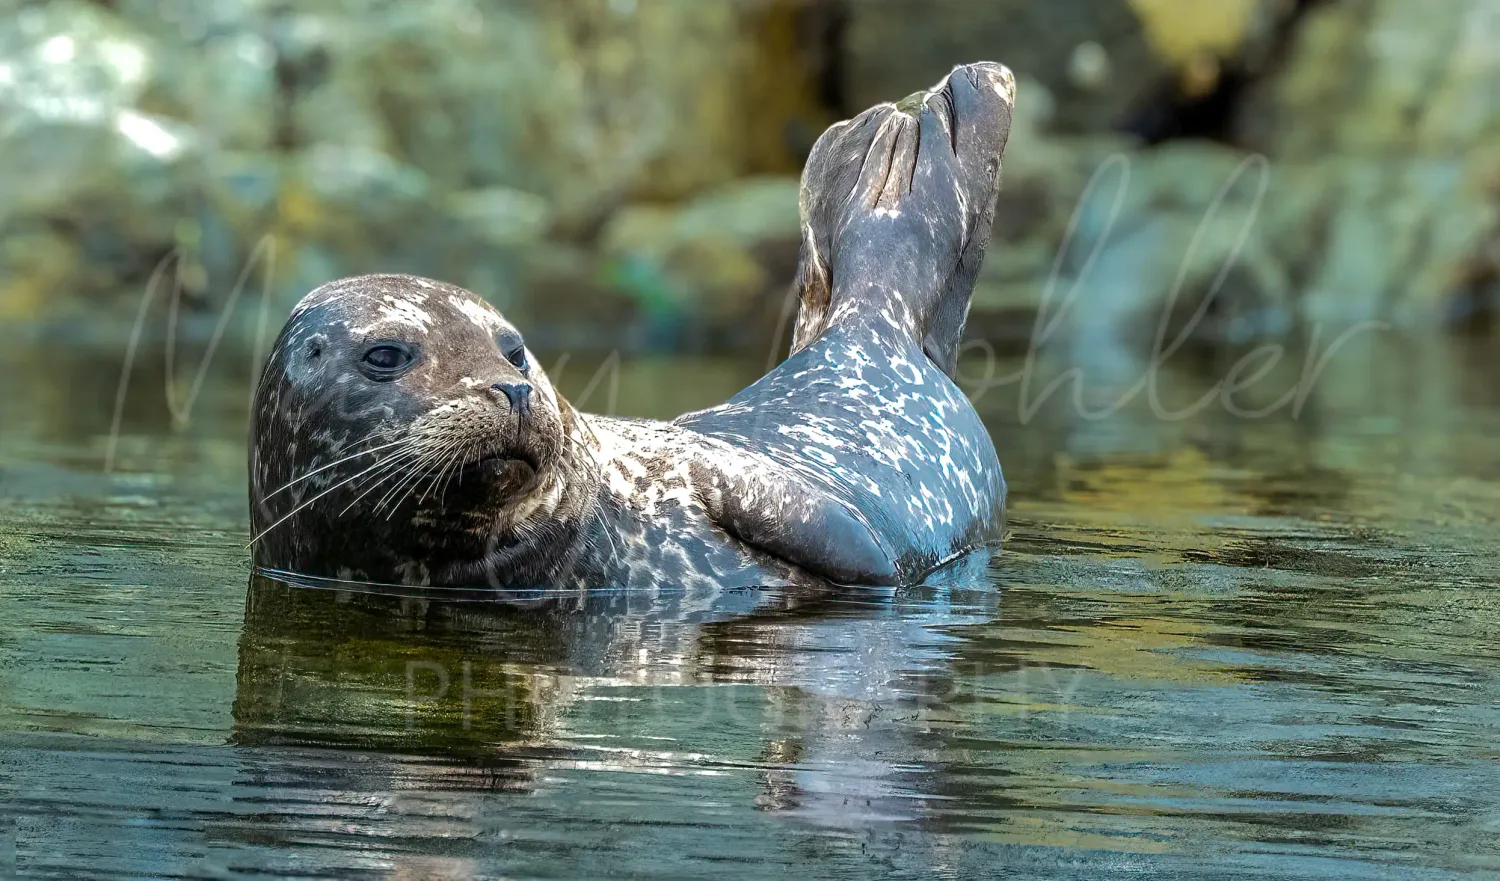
<point x="857" y="459"/>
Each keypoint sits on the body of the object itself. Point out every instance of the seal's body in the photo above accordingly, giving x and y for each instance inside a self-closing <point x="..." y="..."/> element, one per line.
<point x="402" y="434"/>
<point x="866" y="417"/>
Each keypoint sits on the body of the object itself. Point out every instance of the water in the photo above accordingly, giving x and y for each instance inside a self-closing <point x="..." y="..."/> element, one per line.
<point x="1213" y="646"/>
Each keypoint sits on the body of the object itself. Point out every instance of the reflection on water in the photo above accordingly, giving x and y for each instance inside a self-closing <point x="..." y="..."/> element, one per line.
<point x="1213" y="646"/>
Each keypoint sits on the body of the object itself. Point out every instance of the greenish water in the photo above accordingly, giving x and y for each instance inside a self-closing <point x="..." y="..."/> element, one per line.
<point x="1213" y="646"/>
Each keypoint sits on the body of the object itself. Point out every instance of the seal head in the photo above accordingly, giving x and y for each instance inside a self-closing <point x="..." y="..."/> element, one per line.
<point x="402" y="395"/>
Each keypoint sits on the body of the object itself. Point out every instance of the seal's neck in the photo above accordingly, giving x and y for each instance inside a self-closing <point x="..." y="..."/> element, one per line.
<point x="905" y="311"/>
<point x="880" y="305"/>
<point x="909" y="293"/>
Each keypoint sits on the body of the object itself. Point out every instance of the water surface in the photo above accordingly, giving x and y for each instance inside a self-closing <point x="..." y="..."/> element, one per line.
<point x="1214" y="645"/>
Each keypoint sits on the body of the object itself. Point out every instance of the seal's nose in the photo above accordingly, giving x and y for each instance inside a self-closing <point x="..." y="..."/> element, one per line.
<point x="517" y="394"/>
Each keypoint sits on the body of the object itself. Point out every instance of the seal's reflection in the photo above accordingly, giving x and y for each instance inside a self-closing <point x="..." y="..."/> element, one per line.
<point x="372" y="671"/>
<point x="797" y="685"/>
<point x="360" y="667"/>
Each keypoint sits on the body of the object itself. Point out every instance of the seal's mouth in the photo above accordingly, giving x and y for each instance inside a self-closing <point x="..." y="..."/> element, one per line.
<point x="517" y="466"/>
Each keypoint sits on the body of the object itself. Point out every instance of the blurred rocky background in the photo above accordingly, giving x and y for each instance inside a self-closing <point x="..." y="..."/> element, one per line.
<point x="624" y="172"/>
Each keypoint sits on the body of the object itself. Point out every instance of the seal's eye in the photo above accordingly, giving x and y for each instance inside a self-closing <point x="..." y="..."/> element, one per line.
<point x="384" y="361"/>
<point x="517" y="356"/>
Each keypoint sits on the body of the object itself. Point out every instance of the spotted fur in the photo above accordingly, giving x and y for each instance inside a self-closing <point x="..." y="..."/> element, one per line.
<point x="857" y="459"/>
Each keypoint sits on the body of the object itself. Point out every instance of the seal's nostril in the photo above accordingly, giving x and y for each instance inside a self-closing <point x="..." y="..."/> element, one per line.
<point x="517" y="394"/>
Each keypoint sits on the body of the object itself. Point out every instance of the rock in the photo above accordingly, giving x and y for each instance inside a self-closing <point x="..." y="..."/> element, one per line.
<point x="632" y="160"/>
<point x="444" y="137"/>
<point x="1406" y="172"/>
<point x="1406" y="79"/>
<point x="1101" y="59"/>
<point x="69" y="71"/>
<point x="214" y="67"/>
<point x="895" y="47"/>
<point x="1189" y="242"/>
<point x="719" y="256"/>
<point x="502" y="216"/>
<point x="1043" y="177"/>
<point x="750" y="212"/>
<point x="35" y="263"/>
<point x="1195" y="39"/>
<point x="1387" y="210"/>
<point x="574" y="102"/>
<point x="1336" y="241"/>
<point x="369" y="212"/>
<point x="239" y="206"/>
<point x="1404" y="241"/>
<point x="1153" y="234"/>
<point x="78" y="159"/>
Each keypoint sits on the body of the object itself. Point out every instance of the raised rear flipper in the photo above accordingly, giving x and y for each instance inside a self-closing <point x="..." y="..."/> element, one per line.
<point x="897" y="206"/>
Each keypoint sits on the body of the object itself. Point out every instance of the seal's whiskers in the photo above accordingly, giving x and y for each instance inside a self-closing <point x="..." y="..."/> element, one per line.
<point x="409" y="480"/>
<point x="390" y="470"/>
<point x="399" y="473"/>
<point x="284" y="518"/>
<point x="448" y="455"/>
<point x="336" y="462"/>
<point x="450" y="470"/>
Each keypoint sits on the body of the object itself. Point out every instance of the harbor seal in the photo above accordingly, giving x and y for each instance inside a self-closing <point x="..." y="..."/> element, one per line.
<point x="403" y="433"/>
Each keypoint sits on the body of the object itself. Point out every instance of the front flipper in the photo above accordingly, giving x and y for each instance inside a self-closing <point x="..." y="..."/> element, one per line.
<point x="778" y="512"/>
